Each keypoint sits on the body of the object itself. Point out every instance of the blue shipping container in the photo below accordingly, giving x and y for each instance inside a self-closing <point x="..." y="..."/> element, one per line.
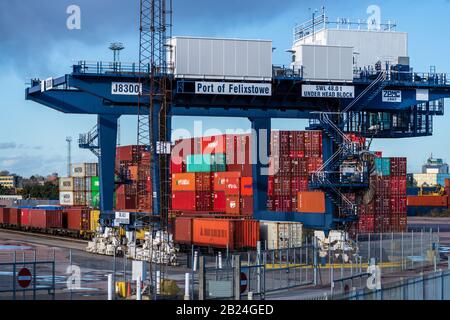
<point x="383" y="167"/>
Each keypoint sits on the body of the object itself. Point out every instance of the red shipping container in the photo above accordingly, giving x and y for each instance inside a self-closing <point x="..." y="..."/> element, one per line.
<point x="223" y="233"/>
<point x="183" y="230"/>
<point x="231" y="149"/>
<point x="427" y="201"/>
<point x="299" y="167"/>
<point x="130" y="153"/>
<point x="184" y="200"/>
<point x="214" y="145"/>
<point x="185" y="147"/>
<point x="233" y="206"/>
<point x="246" y="170"/>
<point x="299" y="184"/>
<point x="247" y="186"/>
<point x="246" y="234"/>
<point x="220" y="201"/>
<point x="204" y="201"/>
<point x="77" y="219"/>
<point x="398" y="167"/>
<point x="270" y="186"/>
<point x="177" y="165"/>
<point x="25" y="217"/>
<point x="14" y="216"/>
<point x="45" y="219"/>
<point x="281" y="164"/>
<point x="247" y="206"/>
<point x="4" y="215"/>
<point x="282" y="203"/>
<point x="126" y="202"/>
<point x="398" y="204"/>
<point x="314" y="164"/>
<point x="297" y="154"/>
<point x="226" y="180"/>
<point x="282" y="185"/>
<point x="297" y="143"/>
<point x="244" y="151"/>
<point x="191" y="182"/>
<point x="398" y="185"/>
<point x="382" y="186"/>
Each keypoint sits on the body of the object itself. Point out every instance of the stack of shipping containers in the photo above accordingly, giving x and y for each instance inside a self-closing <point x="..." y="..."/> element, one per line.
<point x="134" y="193"/>
<point x="212" y="192"/>
<point x="386" y="211"/>
<point x="295" y="156"/>
<point x="77" y="189"/>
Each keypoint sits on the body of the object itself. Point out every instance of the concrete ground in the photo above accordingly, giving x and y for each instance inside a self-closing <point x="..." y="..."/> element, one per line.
<point x="95" y="268"/>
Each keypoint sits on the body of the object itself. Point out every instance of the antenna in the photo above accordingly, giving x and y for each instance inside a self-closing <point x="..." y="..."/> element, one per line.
<point x="69" y="155"/>
<point x="116" y="47"/>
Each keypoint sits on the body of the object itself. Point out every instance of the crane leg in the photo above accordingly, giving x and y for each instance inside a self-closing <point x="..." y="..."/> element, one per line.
<point x="107" y="128"/>
<point x="261" y="129"/>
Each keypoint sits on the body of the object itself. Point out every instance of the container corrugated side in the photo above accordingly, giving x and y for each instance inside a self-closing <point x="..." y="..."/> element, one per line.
<point x="222" y="59"/>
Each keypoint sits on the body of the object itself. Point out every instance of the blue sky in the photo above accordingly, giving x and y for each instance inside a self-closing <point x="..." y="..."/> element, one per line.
<point x="35" y="42"/>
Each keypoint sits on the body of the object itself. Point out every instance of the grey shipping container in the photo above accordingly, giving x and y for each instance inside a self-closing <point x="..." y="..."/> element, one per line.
<point x="221" y="59"/>
<point x="325" y="63"/>
<point x="83" y="170"/>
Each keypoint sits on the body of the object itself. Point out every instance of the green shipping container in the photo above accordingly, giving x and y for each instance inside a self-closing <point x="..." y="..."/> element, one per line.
<point x="383" y="166"/>
<point x="95" y="199"/>
<point x="206" y="163"/>
<point x="95" y="203"/>
<point x="95" y="184"/>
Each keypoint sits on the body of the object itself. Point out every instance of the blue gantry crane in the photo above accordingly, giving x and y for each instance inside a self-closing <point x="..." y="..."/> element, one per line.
<point x="150" y="91"/>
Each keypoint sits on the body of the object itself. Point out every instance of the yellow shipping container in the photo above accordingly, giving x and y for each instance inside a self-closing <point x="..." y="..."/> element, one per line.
<point x="95" y="217"/>
<point x="140" y="234"/>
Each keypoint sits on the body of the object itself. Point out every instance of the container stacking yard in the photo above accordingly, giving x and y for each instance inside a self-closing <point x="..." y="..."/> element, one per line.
<point x="292" y="196"/>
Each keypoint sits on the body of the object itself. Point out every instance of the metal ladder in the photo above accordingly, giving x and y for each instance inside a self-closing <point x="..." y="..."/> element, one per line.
<point x="335" y="130"/>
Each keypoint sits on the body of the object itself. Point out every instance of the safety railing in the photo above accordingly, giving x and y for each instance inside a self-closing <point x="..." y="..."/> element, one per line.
<point x="394" y="76"/>
<point x="122" y="68"/>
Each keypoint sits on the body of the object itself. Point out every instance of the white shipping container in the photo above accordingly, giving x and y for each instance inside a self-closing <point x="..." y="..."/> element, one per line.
<point x="66" y="198"/>
<point x="221" y="59"/>
<point x="66" y="184"/>
<point x="425" y="179"/>
<point x="83" y="170"/>
<point x="281" y="235"/>
<point x="325" y="63"/>
<point x="72" y="198"/>
<point x="369" y="47"/>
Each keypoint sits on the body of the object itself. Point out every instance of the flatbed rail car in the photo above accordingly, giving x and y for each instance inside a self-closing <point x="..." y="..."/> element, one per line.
<point x="73" y="223"/>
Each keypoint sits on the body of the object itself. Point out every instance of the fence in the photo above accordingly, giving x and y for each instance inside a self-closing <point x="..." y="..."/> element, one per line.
<point x="25" y="275"/>
<point x="55" y="274"/>
<point x="260" y="272"/>
<point x="434" y="286"/>
<point x="342" y="266"/>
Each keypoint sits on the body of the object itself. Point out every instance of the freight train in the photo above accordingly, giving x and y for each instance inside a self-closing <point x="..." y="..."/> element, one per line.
<point x="80" y="223"/>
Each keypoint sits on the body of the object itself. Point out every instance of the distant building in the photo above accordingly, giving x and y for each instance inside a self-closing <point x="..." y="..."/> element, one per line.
<point x="435" y="166"/>
<point x="10" y="182"/>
